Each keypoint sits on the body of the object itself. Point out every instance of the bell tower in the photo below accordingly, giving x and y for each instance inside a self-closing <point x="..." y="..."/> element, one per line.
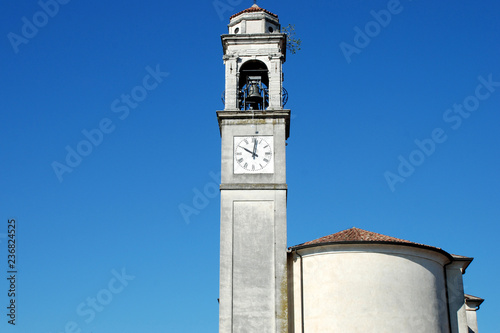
<point x="254" y="127"/>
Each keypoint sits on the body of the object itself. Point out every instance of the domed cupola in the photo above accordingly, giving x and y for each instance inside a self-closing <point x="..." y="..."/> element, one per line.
<point x="254" y="20"/>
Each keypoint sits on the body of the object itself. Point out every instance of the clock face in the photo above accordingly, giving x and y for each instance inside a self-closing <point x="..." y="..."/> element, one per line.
<point x="253" y="154"/>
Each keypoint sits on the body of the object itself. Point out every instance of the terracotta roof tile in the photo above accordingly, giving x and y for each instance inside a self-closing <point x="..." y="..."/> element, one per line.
<point x="358" y="235"/>
<point x="255" y="8"/>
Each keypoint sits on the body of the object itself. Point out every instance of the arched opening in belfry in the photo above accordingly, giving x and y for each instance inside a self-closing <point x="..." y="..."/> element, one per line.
<point x="253" y="92"/>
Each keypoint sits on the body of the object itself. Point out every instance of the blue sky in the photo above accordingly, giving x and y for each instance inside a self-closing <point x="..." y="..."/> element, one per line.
<point x="108" y="225"/>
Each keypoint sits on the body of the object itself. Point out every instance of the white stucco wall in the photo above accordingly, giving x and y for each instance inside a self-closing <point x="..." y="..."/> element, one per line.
<point x="369" y="288"/>
<point x="454" y="282"/>
<point x="472" y="304"/>
<point x="253" y="271"/>
<point x="472" y="321"/>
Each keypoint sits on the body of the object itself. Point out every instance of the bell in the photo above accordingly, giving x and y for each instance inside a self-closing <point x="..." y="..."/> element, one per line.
<point x="253" y="93"/>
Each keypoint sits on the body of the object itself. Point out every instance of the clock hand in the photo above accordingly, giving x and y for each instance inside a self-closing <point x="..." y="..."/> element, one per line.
<point x="250" y="152"/>
<point x="254" y="148"/>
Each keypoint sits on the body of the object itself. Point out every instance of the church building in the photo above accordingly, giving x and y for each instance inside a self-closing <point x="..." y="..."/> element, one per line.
<point x="351" y="281"/>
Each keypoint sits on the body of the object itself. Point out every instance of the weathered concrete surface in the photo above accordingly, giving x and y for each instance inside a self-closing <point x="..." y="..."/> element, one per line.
<point x="253" y="261"/>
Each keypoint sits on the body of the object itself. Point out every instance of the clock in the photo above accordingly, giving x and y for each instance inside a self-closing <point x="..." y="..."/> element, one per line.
<point x="253" y="154"/>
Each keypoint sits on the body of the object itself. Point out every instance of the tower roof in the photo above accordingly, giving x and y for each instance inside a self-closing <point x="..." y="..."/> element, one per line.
<point x="356" y="235"/>
<point x="255" y="8"/>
